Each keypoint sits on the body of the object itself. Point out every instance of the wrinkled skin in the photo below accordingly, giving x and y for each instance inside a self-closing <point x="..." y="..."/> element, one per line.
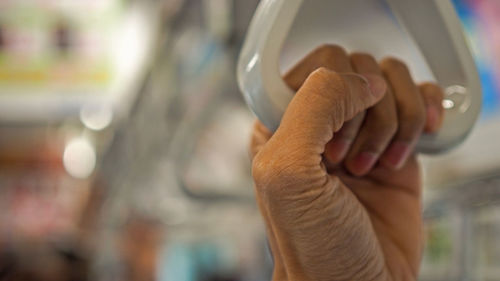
<point x="338" y="184"/>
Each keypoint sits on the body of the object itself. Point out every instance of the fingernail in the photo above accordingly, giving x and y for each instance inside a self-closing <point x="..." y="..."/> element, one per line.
<point x="377" y="84"/>
<point x="363" y="163"/>
<point x="397" y="154"/>
<point x="337" y="150"/>
<point x="432" y="118"/>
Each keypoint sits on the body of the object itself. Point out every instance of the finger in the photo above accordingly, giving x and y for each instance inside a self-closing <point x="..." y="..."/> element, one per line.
<point x="260" y="136"/>
<point x="379" y="127"/>
<point x="411" y="113"/>
<point x="433" y="97"/>
<point x="329" y="56"/>
<point x="336" y="59"/>
<point x="321" y="106"/>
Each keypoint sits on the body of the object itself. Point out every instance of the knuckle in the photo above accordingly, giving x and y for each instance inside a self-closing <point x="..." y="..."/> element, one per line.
<point x="333" y="89"/>
<point x="328" y="51"/>
<point x="360" y="56"/>
<point x="323" y="77"/>
<point x="321" y="73"/>
<point x="392" y="63"/>
<point x="327" y="85"/>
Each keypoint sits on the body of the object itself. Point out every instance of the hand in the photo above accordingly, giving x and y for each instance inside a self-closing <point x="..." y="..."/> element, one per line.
<point x="338" y="184"/>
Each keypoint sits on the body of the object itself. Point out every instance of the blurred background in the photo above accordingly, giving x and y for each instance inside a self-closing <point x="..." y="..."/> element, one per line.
<point x="123" y="147"/>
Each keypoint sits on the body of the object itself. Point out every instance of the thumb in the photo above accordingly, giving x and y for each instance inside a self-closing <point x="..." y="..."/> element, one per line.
<point x="321" y="106"/>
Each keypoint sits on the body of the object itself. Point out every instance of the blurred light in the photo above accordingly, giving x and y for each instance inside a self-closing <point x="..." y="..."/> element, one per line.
<point x="457" y="97"/>
<point x="130" y="42"/>
<point x="79" y="158"/>
<point x="96" y="118"/>
<point x="252" y="62"/>
<point x="448" y="104"/>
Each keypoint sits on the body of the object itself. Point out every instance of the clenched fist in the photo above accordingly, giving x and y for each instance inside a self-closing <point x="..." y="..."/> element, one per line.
<point x="338" y="183"/>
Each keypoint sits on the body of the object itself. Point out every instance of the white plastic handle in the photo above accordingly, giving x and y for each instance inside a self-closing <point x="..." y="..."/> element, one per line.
<point x="432" y="24"/>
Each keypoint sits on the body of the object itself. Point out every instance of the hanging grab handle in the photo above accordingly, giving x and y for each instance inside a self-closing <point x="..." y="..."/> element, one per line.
<point x="432" y="24"/>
